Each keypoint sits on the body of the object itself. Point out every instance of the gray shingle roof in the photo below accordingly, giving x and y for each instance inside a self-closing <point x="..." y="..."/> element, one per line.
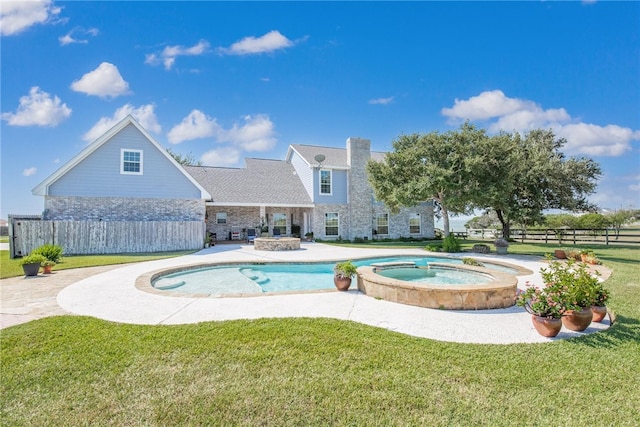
<point x="334" y="157"/>
<point x="260" y="182"/>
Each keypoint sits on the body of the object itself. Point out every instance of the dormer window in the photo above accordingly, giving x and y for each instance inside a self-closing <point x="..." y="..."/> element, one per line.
<point x="325" y="181"/>
<point x="130" y="162"/>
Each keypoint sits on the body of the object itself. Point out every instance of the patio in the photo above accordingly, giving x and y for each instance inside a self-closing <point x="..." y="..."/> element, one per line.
<point x="110" y="293"/>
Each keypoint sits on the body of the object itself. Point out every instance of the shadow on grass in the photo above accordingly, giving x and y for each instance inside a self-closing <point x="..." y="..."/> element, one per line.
<point x="623" y="331"/>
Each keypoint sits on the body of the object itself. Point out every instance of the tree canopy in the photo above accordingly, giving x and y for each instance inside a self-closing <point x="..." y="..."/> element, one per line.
<point x="426" y="167"/>
<point x="184" y="160"/>
<point x="516" y="176"/>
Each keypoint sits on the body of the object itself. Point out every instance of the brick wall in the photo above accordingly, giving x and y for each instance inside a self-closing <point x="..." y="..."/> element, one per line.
<point x="67" y="208"/>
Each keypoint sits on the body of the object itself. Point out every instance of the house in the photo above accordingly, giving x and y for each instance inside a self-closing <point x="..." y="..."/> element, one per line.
<point x="125" y="176"/>
<point x="323" y="190"/>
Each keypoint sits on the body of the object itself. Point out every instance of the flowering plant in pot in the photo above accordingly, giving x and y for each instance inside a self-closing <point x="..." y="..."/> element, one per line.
<point x="344" y="271"/>
<point x="546" y="305"/>
<point x="580" y="287"/>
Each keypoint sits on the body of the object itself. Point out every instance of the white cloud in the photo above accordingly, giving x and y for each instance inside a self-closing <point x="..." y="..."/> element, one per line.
<point x="256" y="134"/>
<point x="487" y="105"/>
<point x="513" y="114"/>
<point x="169" y="54"/>
<point x="29" y="171"/>
<point x="143" y="114"/>
<point x="69" y="39"/>
<point x="227" y="156"/>
<point x="195" y="125"/>
<point x="269" y="42"/>
<point x="17" y="16"/>
<point x="104" y="81"/>
<point x="38" y="109"/>
<point x="381" y="101"/>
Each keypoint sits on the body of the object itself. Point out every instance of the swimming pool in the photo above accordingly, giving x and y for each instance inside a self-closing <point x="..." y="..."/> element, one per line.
<point x="257" y="278"/>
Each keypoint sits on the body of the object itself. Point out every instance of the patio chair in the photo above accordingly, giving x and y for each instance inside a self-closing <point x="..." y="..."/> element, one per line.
<point x="276" y="232"/>
<point x="251" y="235"/>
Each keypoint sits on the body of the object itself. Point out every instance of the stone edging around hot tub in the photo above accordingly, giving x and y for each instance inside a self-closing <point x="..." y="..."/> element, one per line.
<point x="499" y="293"/>
<point x="276" y="244"/>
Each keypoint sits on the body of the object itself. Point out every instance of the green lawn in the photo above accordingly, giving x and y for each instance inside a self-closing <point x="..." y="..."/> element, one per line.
<point x="12" y="267"/>
<point x="76" y="371"/>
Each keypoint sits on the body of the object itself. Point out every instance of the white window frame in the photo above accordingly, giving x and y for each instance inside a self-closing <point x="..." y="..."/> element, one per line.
<point x="378" y="225"/>
<point x="337" y="226"/>
<point x="414" y="216"/>
<point x="221" y="217"/>
<point x="277" y="217"/>
<point x="330" y="182"/>
<point x="122" y="162"/>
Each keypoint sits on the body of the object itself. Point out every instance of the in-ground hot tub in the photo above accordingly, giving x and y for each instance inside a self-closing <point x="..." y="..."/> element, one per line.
<point x="276" y="244"/>
<point x="494" y="289"/>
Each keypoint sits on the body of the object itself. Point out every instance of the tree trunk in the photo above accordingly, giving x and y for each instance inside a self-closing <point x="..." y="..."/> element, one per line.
<point x="445" y="218"/>
<point x="506" y="226"/>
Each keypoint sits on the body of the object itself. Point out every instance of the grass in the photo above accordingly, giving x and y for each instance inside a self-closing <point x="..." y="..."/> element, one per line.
<point x="283" y="372"/>
<point x="12" y="268"/>
<point x="4" y="239"/>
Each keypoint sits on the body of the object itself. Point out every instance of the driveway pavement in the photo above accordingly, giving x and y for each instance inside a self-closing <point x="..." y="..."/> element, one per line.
<point x="110" y="293"/>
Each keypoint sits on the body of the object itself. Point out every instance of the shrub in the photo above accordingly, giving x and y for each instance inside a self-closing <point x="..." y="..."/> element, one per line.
<point x="33" y="258"/>
<point x="433" y="248"/>
<point x="481" y="248"/>
<point x="50" y="252"/>
<point x="451" y="244"/>
<point x="345" y="269"/>
<point x="471" y="261"/>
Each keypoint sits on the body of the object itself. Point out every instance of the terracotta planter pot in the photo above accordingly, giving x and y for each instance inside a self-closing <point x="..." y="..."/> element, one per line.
<point x="342" y="284"/>
<point x="545" y="326"/>
<point x="46" y="269"/>
<point x="578" y="320"/>
<point x="599" y="313"/>
<point x="560" y="254"/>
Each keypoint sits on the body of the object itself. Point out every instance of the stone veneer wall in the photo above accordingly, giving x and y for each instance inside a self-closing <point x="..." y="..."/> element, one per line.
<point x="399" y="223"/>
<point x="359" y="190"/>
<point x="122" y="209"/>
<point x="317" y="221"/>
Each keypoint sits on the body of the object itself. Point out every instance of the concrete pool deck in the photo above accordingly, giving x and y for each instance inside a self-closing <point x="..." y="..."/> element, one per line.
<point x="110" y="293"/>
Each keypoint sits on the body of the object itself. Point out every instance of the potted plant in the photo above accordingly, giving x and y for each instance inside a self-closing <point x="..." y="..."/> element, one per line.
<point x="546" y="305"/>
<point x="47" y="266"/>
<point x="573" y="254"/>
<point x="309" y="236"/>
<point x="343" y="272"/>
<point x="579" y="286"/>
<point x="501" y="246"/>
<point x="560" y="254"/>
<point x="31" y="264"/>
<point x="599" y="302"/>
<point x="585" y="253"/>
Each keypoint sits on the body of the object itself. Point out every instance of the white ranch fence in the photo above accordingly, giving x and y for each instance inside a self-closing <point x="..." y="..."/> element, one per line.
<point x="104" y="237"/>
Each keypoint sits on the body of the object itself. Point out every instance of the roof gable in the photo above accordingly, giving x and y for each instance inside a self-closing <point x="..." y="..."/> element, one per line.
<point x="42" y="189"/>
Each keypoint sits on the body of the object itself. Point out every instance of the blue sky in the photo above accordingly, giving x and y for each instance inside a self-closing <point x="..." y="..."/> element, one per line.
<point x="225" y="81"/>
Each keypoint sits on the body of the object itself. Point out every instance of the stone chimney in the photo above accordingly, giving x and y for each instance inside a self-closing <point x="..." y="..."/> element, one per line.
<point x="359" y="196"/>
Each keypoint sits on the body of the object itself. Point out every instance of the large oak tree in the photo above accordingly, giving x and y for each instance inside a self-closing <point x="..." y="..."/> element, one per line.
<point x="425" y="167"/>
<point x="517" y="176"/>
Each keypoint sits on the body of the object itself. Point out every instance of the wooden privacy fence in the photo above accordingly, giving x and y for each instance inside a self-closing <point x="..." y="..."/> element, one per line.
<point x="104" y="237"/>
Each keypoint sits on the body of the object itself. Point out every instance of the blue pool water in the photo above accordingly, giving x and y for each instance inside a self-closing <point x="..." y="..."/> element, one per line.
<point x="260" y="278"/>
<point x="435" y="276"/>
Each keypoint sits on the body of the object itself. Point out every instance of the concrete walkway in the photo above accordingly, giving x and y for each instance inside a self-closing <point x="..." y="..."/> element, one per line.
<point x="110" y="293"/>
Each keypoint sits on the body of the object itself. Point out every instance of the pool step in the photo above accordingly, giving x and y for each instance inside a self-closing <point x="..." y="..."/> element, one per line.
<point x="168" y="283"/>
<point x="255" y="275"/>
